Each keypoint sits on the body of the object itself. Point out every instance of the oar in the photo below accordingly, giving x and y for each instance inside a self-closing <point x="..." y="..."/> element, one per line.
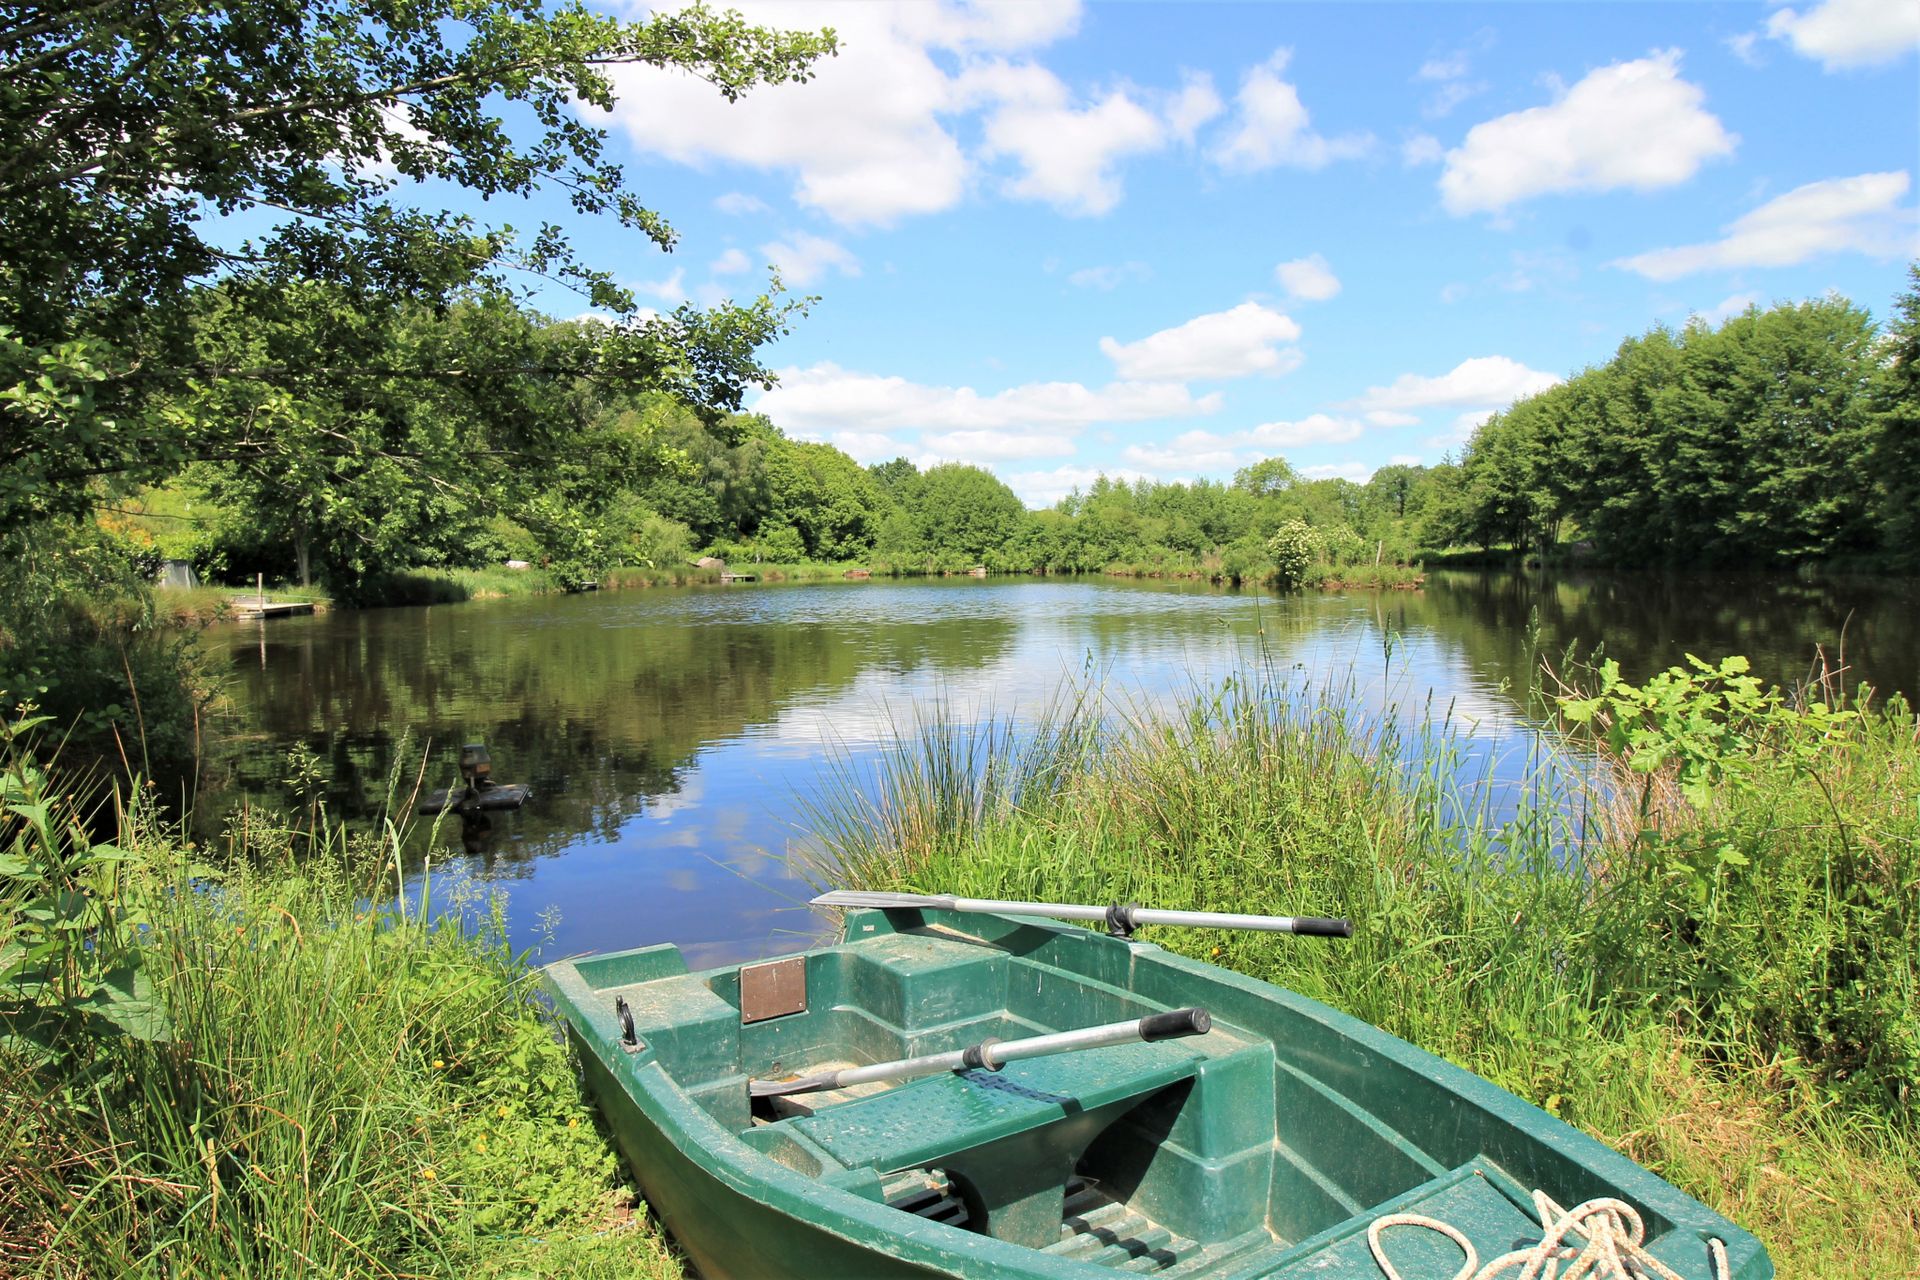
<point x="991" y="1055"/>
<point x="1120" y="920"/>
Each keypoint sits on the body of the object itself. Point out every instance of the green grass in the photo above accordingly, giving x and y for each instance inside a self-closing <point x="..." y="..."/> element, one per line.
<point x="1573" y="958"/>
<point x="250" y="1071"/>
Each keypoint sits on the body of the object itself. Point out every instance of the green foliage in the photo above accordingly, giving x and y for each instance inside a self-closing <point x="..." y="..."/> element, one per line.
<point x="956" y="517"/>
<point x="1896" y="407"/>
<point x="1768" y="440"/>
<point x="79" y="637"/>
<point x="361" y="391"/>
<point x="1293" y="548"/>
<point x="1765" y="891"/>
<point x="295" y="1078"/>
<point x="73" y="974"/>
<point x="1551" y="953"/>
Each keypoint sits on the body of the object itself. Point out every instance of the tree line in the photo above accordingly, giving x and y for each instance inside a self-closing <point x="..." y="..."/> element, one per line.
<point x="1781" y="436"/>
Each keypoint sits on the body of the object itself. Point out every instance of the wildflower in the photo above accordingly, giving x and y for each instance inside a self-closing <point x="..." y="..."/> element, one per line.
<point x="437" y="1064"/>
<point x="503" y="1111"/>
<point x="480" y="1145"/>
<point x="428" y="1174"/>
<point x="573" y="1122"/>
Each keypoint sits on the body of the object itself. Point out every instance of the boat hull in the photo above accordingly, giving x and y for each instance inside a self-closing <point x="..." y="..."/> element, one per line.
<point x="1264" y="1150"/>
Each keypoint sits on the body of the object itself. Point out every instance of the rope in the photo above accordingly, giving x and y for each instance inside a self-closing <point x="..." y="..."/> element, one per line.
<point x="1613" y="1230"/>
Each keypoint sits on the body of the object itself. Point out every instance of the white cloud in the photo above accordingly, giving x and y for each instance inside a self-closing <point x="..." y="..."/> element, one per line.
<point x="1405" y="460"/>
<point x="730" y="263"/>
<point x="1208" y="452"/>
<point x="1745" y="47"/>
<point x="974" y="446"/>
<point x="866" y="138"/>
<point x="1224" y="344"/>
<point x="863" y="446"/>
<point x="1464" y="425"/>
<point x="826" y="398"/>
<point x="1044" y="488"/>
<point x="1449" y="76"/>
<point x="672" y="290"/>
<point x="1309" y="279"/>
<point x="1069" y="154"/>
<point x="1729" y="307"/>
<point x="1319" y="428"/>
<point x="1109" y="277"/>
<point x="737" y="203"/>
<point x="1633" y="124"/>
<point x="1840" y="215"/>
<point x="1453" y="292"/>
<point x="1358" y="472"/>
<point x="1193" y="106"/>
<point x="874" y="136"/>
<point x="1271" y="126"/>
<point x="1849" y="33"/>
<point x="1391" y="418"/>
<point x="804" y="259"/>
<point x="1483" y="382"/>
<point x="1190" y="453"/>
<point x="1421" y="149"/>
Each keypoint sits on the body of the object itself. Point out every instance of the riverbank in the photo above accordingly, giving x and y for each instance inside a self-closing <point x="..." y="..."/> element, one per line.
<point x="243" y="1066"/>
<point x="200" y="605"/>
<point x="1717" y="977"/>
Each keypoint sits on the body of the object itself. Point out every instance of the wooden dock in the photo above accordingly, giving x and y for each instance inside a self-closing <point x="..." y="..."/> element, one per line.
<point x="737" y="577"/>
<point x="249" y="607"/>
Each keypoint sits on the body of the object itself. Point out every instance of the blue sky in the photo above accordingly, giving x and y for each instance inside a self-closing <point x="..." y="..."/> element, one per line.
<point x="1162" y="240"/>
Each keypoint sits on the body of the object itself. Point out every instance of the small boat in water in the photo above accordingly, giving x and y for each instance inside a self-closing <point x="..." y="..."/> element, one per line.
<point x="947" y="1092"/>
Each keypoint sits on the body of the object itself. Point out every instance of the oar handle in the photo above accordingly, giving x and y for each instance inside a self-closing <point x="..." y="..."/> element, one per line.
<point x="1175" y="1023"/>
<point x="991" y="1054"/>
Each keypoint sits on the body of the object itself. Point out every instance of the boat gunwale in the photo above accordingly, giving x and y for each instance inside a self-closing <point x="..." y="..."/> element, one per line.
<point x="757" y="1175"/>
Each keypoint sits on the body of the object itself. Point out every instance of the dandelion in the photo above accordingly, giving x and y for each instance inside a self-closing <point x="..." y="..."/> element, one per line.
<point x="428" y="1174"/>
<point x="480" y="1145"/>
<point x="437" y="1064"/>
<point x="502" y="1111"/>
<point x="573" y="1122"/>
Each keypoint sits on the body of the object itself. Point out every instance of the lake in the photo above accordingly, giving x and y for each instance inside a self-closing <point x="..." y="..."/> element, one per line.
<point x="672" y="735"/>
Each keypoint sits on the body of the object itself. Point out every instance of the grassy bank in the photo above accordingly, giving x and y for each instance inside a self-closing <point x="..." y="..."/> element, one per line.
<point x="243" y="1070"/>
<point x="1722" y="986"/>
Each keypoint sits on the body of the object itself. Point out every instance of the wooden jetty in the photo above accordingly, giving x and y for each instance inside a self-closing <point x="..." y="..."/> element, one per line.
<point x="737" y="577"/>
<point x="246" y="607"/>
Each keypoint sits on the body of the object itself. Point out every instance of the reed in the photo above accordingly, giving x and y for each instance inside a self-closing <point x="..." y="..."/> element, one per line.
<point x="1521" y="931"/>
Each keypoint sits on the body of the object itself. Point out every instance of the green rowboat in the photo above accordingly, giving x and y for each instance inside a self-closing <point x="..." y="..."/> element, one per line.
<point x="1289" y="1141"/>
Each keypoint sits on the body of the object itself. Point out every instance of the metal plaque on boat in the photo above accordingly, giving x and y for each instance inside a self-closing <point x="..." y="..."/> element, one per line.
<point x="773" y="990"/>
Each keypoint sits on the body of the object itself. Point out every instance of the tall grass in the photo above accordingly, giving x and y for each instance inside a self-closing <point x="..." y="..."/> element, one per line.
<point x="1570" y="959"/>
<point x="255" y="1069"/>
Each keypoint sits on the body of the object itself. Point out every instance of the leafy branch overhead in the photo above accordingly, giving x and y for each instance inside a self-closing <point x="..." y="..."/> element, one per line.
<point x="151" y="149"/>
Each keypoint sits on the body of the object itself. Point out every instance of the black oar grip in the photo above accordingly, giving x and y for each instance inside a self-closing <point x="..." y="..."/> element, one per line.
<point x="1175" y="1023"/>
<point x="1323" y="926"/>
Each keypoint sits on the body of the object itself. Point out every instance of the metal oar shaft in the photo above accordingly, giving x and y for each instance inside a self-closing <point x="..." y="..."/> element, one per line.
<point x="1128" y="917"/>
<point x="991" y="1055"/>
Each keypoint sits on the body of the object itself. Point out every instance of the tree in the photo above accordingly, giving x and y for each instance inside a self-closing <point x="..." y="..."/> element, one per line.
<point x="1896" y="411"/>
<point x="1266" y="477"/>
<point x="961" y="516"/>
<point x="124" y="122"/>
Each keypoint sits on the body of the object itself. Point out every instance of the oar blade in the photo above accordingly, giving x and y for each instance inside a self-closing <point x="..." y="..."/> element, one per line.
<point x="883" y="901"/>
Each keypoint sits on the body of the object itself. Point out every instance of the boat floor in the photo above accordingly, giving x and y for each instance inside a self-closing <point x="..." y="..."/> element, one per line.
<point x="1106" y="1232"/>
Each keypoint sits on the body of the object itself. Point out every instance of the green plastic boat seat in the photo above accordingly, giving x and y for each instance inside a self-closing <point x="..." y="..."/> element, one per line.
<point x="1009" y="1139"/>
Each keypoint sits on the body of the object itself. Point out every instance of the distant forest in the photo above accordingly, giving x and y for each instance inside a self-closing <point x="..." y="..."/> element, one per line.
<point x="1777" y="437"/>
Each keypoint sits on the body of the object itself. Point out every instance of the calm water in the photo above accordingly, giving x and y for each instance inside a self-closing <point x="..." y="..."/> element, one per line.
<point x="671" y="735"/>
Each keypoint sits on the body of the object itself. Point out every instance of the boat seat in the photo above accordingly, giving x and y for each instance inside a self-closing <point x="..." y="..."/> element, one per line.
<point x="1009" y="1138"/>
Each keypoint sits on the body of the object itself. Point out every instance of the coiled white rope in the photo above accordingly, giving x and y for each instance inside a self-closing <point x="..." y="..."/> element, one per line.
<point x="1613" y="1229"/>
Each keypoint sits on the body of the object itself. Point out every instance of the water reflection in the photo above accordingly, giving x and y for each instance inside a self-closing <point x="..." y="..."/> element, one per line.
<point x="668" y="735"/>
